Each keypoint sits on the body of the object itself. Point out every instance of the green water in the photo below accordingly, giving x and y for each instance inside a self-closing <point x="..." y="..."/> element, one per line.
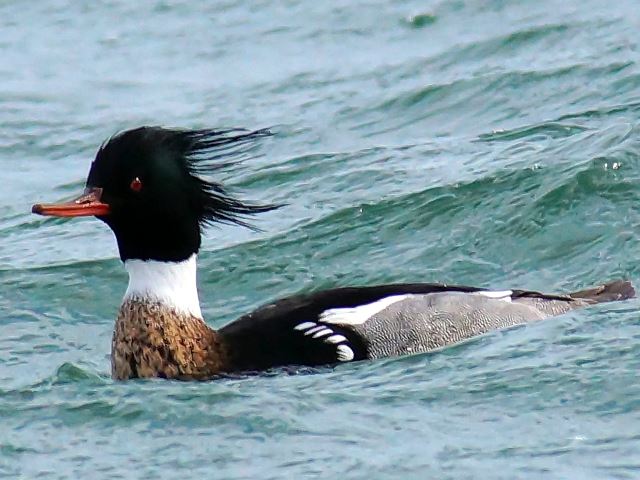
<point x="484" y="142"/>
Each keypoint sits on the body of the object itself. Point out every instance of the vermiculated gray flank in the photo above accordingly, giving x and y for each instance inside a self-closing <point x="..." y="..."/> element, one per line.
<point x="421" y="323"/>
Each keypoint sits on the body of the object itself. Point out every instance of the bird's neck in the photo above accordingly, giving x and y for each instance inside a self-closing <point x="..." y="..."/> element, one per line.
<point x="172" y="284"/>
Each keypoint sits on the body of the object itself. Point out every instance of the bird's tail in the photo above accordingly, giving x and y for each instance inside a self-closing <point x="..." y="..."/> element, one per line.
<point x="608" y="292"/>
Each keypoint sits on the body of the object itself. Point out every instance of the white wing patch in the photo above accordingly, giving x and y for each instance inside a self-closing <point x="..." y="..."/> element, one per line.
<point x="313" y="330"/>
<point x="336" y="339"/>
<point x="304" y="325"/>
<point x="344" y="352"/>
<point x="358" y="315"/>
<point x="504" y="295"/>
<point x="322" y="333"/>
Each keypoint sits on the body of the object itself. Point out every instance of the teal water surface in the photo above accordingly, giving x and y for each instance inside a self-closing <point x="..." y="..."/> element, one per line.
<point x="484" y="142"/>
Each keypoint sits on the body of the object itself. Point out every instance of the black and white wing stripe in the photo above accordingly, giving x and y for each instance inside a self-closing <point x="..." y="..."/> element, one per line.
<point x="324" y="333"/>
<point x="324" y="328"/>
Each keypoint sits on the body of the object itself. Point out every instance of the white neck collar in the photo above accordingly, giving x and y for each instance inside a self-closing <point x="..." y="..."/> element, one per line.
<point x="170" y="283"/>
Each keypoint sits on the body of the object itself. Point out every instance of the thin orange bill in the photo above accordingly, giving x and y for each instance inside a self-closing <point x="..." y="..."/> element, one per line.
<point x="85" y="205"/>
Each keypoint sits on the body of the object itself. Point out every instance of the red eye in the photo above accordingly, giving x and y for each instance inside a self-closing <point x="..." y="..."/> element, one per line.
<point x="136" y="184"/>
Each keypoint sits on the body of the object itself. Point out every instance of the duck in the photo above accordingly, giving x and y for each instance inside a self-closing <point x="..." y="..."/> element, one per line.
<point x="151" y="186"/>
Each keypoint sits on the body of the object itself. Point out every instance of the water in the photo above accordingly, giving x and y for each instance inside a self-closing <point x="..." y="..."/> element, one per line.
<point x="487" y="142"/>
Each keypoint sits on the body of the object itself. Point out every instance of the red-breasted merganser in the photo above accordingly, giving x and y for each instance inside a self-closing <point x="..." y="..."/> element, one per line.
<point x="147" y="185"/>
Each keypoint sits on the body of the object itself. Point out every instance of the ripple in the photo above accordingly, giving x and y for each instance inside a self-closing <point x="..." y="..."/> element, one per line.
<point x="550" y="129"/>
<point x="421" y="20"/>
<point x="69" y="373"/>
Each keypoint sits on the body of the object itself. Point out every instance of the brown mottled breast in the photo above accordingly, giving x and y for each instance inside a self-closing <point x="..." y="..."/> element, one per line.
<point x="153" y="340"/>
